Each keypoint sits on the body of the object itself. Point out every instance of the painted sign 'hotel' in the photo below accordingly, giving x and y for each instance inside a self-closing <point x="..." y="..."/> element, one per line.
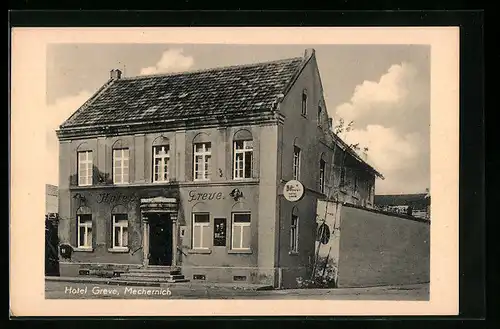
<point x="187" y="170"/>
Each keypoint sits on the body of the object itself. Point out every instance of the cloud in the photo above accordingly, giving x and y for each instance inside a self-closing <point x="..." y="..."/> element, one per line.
<point x="172" y="60"/>
<point x="399" y="99"/>
<point x="387" y="149"/>
<point x="391" y="119"/>
<point x="56" y="114"/>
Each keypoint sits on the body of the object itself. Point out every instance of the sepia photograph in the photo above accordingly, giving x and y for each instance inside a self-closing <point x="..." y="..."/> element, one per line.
<point x="239" y="171"/>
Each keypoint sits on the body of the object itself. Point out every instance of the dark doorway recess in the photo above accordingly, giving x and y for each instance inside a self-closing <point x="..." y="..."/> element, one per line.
<point x="160" y="239"/>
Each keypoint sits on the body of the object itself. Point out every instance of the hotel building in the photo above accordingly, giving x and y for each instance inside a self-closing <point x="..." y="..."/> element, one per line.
<point x="187" y="170"/>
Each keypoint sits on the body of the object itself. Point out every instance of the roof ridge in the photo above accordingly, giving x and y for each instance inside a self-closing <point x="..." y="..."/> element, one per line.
<point x="219" y="68"/>
<point x="89" y="101"/>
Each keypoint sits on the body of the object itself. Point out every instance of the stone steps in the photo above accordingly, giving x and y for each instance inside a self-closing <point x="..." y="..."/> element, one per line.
<point x="151" y="279"/>
<point x="155" y="271"/>
<point x="154" y="274"/>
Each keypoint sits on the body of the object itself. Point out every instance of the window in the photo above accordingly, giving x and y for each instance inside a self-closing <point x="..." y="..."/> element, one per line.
<point x="243" y="152"/>
<point x="294" y="234"/>
<point x="319" y="115"/>
<point x="84" y="231"/>
<point x="120" y="231"/>
<point x="342" y="176"/>
<point x="304" y="102"/>
<point x="220" y="232"/>
<point x="322" y="165"/>
<point x="85" y="168"/>
<point x="202" y="161"/>
<point x="201" y="231"/>
<point x="161" y="158"/>
<point x="355" y="182"/>
<point x="240" y="238"/>
<point x="296" y="163"/>
<point x="120" y="166"/>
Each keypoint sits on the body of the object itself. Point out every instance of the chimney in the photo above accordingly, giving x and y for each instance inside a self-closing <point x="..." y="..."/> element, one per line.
<point x="115" y="74"/>
<point x="309" y="53"/>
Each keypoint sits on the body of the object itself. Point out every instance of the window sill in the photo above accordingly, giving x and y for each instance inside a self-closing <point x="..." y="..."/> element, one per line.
<point x="163" y="181"/>
<point x="201" y="180"/>
<point x="118" y="250"/>
<point x="243" y="251"/>
<point x="304" y="115"/>
<point x="200" y="251"/>
<point x="293" y="253"/>
<point x="82" y="249"/>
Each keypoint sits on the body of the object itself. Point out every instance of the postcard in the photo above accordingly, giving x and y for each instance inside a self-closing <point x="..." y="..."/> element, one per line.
<point x="234" y="171"/>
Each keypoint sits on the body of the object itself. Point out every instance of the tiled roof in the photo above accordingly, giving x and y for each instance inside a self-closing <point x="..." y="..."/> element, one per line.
<point x="235" y="90"/>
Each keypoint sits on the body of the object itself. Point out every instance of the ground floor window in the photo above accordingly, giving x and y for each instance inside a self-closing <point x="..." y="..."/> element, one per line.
<point x="201" y="231"/>
<point x="241" y="234"/>
<point x="84" y="231"/>
<point x="120" y="231"/>
<point x="294" y="234"/>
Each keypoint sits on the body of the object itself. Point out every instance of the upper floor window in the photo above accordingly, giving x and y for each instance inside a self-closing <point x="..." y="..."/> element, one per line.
<point x="121" y="166"/>
<point x="342" y="176"/>
<point x="85" y="168"/>
<point x="243" y="155"/>
<point x="84" y="230"/>
<point x="322" y="165"/>
<point x="304" y="102"/>
<point x="202" y="161"/>
<point x="296" y="163"/>
<point x="161" y="159"/>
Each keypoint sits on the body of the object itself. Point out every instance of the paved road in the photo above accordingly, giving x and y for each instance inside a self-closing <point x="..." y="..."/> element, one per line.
<point x="59" y="290"/>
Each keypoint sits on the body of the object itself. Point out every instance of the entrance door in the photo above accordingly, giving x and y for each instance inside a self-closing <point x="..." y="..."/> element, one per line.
<point x="160" y="239"/>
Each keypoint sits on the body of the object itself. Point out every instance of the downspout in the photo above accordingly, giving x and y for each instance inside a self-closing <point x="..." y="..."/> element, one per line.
<point x="279" y="199"/>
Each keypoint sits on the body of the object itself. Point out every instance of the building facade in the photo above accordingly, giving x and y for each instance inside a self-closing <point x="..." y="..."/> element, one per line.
<point x="188" y="170"/>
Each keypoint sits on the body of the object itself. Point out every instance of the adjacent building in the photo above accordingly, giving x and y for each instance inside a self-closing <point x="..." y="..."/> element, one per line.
<point x="51" y="230"/>
<point x="188" y="170"/>
<point x="416" y="205"/>
<point x="51" y="200"/>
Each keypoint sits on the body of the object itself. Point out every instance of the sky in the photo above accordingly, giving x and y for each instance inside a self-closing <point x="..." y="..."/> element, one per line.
<point x="383" y="89"/>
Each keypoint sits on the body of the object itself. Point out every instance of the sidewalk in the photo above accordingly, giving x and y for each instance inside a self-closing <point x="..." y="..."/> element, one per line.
<point x="179" y="285"/>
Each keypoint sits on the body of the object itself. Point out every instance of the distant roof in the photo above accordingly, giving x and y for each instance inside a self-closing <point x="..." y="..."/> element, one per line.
<point x="51" y="189"/>
<point x="233" y="90"/>
<point x="402" y="199"/>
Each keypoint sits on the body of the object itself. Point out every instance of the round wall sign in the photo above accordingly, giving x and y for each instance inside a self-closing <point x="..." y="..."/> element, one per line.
<point x="293" y="190"/>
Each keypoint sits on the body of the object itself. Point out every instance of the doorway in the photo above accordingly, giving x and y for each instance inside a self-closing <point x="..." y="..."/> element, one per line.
<point x="160" y="239"/>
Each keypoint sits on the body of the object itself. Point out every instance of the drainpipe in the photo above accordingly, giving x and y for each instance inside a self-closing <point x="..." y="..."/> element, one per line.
<point x="280" y="278"/>
<point x="278" y="179"/>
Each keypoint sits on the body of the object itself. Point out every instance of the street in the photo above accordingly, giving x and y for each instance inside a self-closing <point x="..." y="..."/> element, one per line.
<point x="71" y="290"/>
